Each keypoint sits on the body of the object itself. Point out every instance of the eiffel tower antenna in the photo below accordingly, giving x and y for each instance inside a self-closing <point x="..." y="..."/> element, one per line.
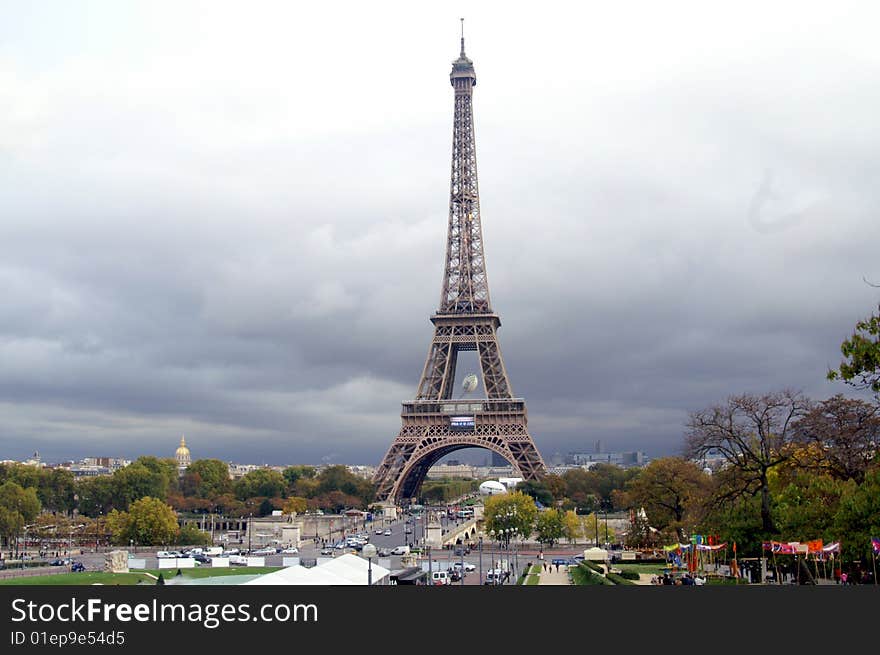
<point x="462" y="37"/>
<point x="435" y="423"/>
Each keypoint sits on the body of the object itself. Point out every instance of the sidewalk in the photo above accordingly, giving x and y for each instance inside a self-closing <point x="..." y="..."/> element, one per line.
<point x="551" y="577"/>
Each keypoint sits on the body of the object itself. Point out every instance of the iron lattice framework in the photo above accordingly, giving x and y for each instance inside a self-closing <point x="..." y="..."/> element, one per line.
<point x="432" y="424"/>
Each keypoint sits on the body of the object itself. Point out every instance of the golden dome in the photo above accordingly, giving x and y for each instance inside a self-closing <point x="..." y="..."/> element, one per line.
<point x="182" y="451"/>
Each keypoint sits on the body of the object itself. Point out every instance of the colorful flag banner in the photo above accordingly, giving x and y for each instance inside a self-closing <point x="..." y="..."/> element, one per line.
<point x="814" y="546"/>
<point x="833" y="547"/>
<point x="875" y="545"/>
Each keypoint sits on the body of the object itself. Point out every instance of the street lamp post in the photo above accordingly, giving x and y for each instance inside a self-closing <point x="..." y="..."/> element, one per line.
<point x="369" y="551"/>
<point x="249" y="532"/>
<point x="481" y="560"/>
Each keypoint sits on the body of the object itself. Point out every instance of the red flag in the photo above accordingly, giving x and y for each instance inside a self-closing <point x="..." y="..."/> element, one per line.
<point x="734" y="548"/>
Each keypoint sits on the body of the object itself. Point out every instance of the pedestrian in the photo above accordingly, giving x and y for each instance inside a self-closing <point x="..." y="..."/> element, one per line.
<point x="557" y="567"/>
<point x="843" y="578"/>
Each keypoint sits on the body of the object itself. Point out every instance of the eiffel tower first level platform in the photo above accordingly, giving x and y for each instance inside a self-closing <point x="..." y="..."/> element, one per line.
<point x="435" y="424"/>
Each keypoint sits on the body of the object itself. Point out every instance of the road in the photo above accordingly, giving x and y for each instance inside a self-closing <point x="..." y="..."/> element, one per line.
<point x="406" y="530"/>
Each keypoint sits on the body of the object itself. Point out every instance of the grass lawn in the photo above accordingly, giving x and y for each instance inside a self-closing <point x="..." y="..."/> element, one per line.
<point x="135" y="576"/>
<point x="208" y="572"/>
<point x="533" y="579"/>
<point x="83" y="578"/>
<point x="650" y="569"/>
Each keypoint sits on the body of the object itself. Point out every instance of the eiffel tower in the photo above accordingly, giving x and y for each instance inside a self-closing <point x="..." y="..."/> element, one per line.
<point x="435" y="424"/>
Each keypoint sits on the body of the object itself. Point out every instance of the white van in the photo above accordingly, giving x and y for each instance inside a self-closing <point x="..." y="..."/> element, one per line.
<point x="439" y="577"/>
<point x="163" y="554"/>
<point x="400" y="550"/>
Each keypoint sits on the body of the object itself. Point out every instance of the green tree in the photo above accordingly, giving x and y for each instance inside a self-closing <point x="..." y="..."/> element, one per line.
<point x="293" y="473"/>
<point x="861" y="364"/>
<point x="858" y="517"/>
<point x="806" y="505"/>
<point x="149" y="522"/>
<point x="96" y="495"/>
<point x="146" y="476"/>
<point x="57" y="490"/>
<point x="514" y="511"/>
<point x="550" y="526"/>
<point x="571" y="526"/>
<point x="670" y="489"/>
<point x="339" y="478"/>
<point x="537" y="490"/>
<point x="190" y="535"/>
<point x="752" y="434"/>
<point x="18" y="507"/>
<point x="213" y="478"/>
<point x="263" y="482"/>
<point x="295" y="505"/>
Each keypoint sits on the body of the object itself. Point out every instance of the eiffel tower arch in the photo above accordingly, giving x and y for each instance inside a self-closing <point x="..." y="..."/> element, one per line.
<point x="435" y="424"/>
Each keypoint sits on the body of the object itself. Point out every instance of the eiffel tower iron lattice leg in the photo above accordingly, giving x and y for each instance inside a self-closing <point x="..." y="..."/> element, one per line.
<point x="434" y="424"/>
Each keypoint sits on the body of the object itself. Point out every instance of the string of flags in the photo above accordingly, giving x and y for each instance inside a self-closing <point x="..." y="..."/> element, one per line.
<point x="815" y="546"/>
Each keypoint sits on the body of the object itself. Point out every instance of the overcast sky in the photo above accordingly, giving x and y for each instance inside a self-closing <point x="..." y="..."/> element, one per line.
<point x="227" y="220"/>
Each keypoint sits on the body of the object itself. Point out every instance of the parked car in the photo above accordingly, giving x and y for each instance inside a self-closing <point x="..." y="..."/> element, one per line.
<point x="237" y="560"/>
<point x="439" y="577"/>
<point x="201" y="558"/>
<point x="262" y="552"/>
<point x="290" y="550"/>
<point x="59" y="562"/>
<point x="467" y="566"/>
<point x="76" y="567"/>
<point x="327" y="551"/>
<point x="379" y="531"/>
<point x="387" y="532"/>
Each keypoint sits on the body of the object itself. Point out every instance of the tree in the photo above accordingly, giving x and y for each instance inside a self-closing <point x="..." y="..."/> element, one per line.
<point x="146" y="476"/>
<point x="840" y="437"/>
<point x="339" y="478"/>
<point x="293" y="473"/>
<point x="512" y="511"/>
<point x="57" y="490"/>
<point x="806" y="505"/>
<point x="295" y="505"/>
<point x="149" y="522"/>
<point x="213" y="478"/>
<point x="190" y="535"/>
<point x="668" y="489"/>
<point x="858" y="518"/>
<point x="262" y="482"/>
<point x="752" y="435"/>
<point x="550" y="526"/>
<point x="96" y="495"/>
<point x="537" y="490"/>
<point x="18" y="506"/>
<point x="861" y="365"/>
<point x="571" y="526"/>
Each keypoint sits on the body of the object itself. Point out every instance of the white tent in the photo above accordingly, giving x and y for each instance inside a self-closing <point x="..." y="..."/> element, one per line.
<point x="346" y="569"/>
<point x="596" y="554"/>
<point x="355" y="568"/>
<point x="300" y="575"/>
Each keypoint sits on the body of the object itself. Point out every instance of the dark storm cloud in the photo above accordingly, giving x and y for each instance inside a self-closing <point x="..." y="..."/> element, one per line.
<point x="246" y="246"/>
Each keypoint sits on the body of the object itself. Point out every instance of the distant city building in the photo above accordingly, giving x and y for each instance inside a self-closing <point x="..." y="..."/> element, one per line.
<point x="89" y="467"/>
<point x="497" y="460"/>
<point x="182" y="456"/>
<point x="113" y="464"/>
<point x="623" y="459"/>
<point x="465" y="471"/>
<point x="362" y="471"/>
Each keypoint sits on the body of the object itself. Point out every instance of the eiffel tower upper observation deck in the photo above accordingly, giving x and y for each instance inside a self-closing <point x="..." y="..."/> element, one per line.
<point x="434" y="424"/>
